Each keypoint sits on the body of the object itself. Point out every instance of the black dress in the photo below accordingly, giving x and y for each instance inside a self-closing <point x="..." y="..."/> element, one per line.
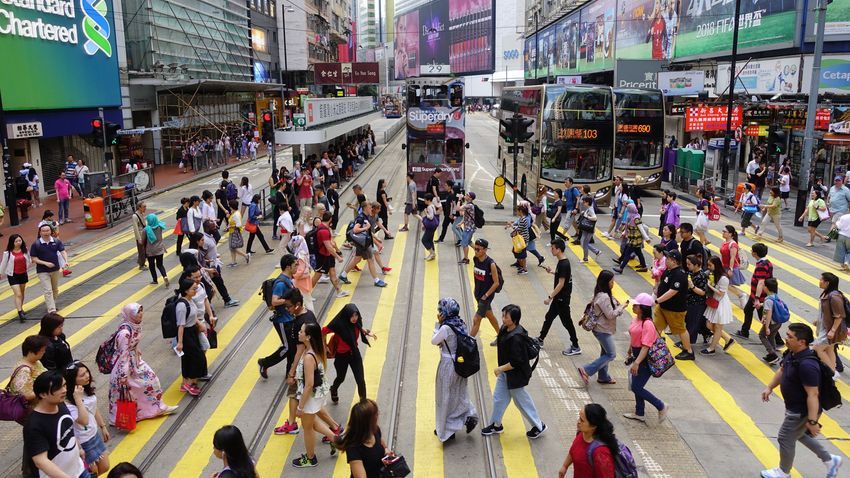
<point x="193" y="363"/>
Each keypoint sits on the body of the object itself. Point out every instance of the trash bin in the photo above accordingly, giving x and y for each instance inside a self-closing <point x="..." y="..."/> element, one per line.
<point x="696" y="163"/>
<point x="94" y="211"/>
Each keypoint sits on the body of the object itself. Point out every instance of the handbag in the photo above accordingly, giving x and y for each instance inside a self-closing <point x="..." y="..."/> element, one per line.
<point x="205" y="343"/>
<point x="430" y="222"/>
<point x="534" y="232"/>
<point x="394" y="466"/>
<point x="823" y="215"/>
<point x="585" y="225"/>
<point x="659" y="358"/>
<point x="125" y="414"/>
<point x="251" y="227"/>
<point x="711" y="302"/>
<point x="518" y="242"/>
<point x="236" y="241"/>
<point x="212" y="337"/>
<point x="178" y="228"/>
<point x="361" y="239"/>
<point x="13" y="407"/>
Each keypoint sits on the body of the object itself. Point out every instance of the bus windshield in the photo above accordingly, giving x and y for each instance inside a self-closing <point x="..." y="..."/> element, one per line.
<point x="578" y="104"/>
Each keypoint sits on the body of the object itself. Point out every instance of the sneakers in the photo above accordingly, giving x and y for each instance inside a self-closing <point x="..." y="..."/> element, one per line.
<point x="522" y="271"/>
<point x="191" y="389"/>
<point x="334" y="396"/>
<point x="264" y="372"/>
<point x="771" y="358"/>
<point x="774" y="473"/>
<point x="662" y="414"/>
<point x="705" y="352"/>
<point x="832" y="466"/>
<point x="231" y="303"/>
<point x="740" y="333"/>
<point x="380" y="283"/>
<point x="324" y="279"/>
<point x="287" y="429"/>
<point x="685" y="355"/>
<point x="572" y="351"/>
<point x="535" y="433"/>
<point x="633" y="416"/>
<point x="344" y="279"/>
<point x="342" y="293"/>
<point x="337" y="433"/>
<point x="403" y="229"/>
<point x="491" y="429"/>
<point x="471" y="423"/>
<point x="304" y="462"/>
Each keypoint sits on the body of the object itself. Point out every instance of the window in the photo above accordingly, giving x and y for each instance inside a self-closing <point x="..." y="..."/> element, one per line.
<point x="583" y="164"/>
<point x="637" y="154"/>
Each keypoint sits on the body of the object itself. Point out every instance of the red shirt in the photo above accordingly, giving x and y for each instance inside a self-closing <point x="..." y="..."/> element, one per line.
<point x="20" y="262"/>
<point x="658" y="33"/>
<point x="603" y="463"/>
<point x="323" y="234"/>
<point x="762" y="271"/>
<point x="343" y="347"/>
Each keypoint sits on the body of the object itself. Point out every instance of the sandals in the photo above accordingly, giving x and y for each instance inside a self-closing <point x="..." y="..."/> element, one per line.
<point x="610" y="381"/>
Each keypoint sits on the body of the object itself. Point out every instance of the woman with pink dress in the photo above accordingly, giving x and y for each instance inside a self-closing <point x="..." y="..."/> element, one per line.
<point x="133" y="372"/>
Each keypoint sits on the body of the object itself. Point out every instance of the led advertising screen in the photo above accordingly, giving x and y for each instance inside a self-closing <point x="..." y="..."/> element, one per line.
<point x="453" y="37"/>
<point x="647" y="29"/>
<point x="706" y="27"/>
<point x="58" y="55"/>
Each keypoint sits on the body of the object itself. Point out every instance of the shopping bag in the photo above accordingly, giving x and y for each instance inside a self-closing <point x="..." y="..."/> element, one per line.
<point x="251" y="227"/>
<point x="212" y="337"/>
<point x="659" y="358"/>
<point x="125" y="415"/>
<point x="518" y="243"/>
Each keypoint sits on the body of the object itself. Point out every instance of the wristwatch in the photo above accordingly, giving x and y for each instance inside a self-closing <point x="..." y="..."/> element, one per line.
<point x="812" y="422"/>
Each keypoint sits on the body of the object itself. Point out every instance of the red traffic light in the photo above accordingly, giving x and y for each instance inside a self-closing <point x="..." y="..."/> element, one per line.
<point x="96" y="123"/>
<point x="267" y="116"/>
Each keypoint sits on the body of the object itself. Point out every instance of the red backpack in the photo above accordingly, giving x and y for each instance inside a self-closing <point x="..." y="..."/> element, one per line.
<point x="714" y="212"/>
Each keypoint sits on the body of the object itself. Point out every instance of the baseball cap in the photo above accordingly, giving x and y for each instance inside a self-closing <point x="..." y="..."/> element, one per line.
<point x="471" y="194"/>
<point x="839" y="178"/>
<point x="482" y="243"/>
<point x="675" y="255"/>
<point x="644" y="299"/>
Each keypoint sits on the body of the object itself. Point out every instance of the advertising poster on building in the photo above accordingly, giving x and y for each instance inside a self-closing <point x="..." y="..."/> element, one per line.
<point x="706" y="26"/>
<point x="677" y="83"/>
<point x="529" y="56"/>
<point x="646" y="29"/>
<point x="834" y="74"/>
<point x="471" y="32"/>
<point x="837" y="21"/>
<point x="434" y="38"/>
<point x="761" y="77"/>
<point x="711" y="118"/>
<point x="58" y="55"/>
<point x="637" y="74"/>
<point x="596" y="48"/>
<point x="406" y="45"/>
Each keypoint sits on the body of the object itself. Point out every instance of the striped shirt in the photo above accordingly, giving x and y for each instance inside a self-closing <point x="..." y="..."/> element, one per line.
<point x="763" y="270"/>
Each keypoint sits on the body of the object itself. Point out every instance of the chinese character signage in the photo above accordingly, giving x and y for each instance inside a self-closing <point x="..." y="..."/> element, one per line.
<point x="711" y="118"/>
<point x="796" y="118"/>
<point x="756" y="130"/>
<point x="327" y="110"/>
<point x="24" y="130"/>
<point x="345" y="73"/>
<point x="637" y="74"/>
<point x="706" y="26"/>
<point x="634" y="128"/>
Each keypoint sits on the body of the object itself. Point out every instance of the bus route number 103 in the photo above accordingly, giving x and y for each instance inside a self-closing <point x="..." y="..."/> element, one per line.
<point x="577" y="133"/>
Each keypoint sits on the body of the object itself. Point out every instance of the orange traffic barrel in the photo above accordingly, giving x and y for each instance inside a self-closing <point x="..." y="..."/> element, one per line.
<point x="739" y="191"/>
<point x="94" y="211"/>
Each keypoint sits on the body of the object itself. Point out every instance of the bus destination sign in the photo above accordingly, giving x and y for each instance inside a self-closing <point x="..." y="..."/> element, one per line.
<point x="634" y="128"/>
<point x="577" y="133"/>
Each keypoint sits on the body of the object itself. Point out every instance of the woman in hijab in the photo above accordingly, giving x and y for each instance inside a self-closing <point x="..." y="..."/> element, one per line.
<point x="454" y="410"/>
<point x="132" y="372"/>
<point x="303" y="277"/>
<point x="347" y="326"/>
<point x="154" y="248"/>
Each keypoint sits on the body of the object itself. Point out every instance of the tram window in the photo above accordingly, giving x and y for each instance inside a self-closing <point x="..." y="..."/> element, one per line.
<point x="412" y="96"/>
<point x="456" y="97"/>
<point x="454" y="150"/>
<point x="435" y="152"/>
<point x="417" y="151"/>
<point x="583" y="164"/>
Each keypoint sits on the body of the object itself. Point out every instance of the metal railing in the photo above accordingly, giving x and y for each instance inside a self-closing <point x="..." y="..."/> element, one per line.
<point x="143" y="179"/>
<point x="690" y="181"/>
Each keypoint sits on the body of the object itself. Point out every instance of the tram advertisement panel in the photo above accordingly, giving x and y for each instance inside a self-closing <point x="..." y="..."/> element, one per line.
<point x="706" y="26"/>
<point x="435" y="138"/>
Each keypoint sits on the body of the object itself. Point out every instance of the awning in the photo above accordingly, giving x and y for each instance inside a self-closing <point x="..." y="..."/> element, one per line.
<point x="835" y="138"/>
<point x="323" y="134"/>
<point x="206" y="86"/>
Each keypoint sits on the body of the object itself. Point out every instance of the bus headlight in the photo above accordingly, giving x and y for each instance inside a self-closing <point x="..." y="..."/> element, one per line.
<point x="601" y="193"/>
<point x="653" y="178"/>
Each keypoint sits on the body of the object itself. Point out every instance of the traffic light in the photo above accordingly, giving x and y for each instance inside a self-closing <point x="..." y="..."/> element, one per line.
<point x="506" y="129"/>
<point x="777" y="140"/>
<point x="112" y="133"/>
<point x="522" y="132"/>
<point x="268" y="127"/>
<point x="97" y="132"/>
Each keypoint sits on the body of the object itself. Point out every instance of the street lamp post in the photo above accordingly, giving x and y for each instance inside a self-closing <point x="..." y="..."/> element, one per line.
<point x="733" y="75"/>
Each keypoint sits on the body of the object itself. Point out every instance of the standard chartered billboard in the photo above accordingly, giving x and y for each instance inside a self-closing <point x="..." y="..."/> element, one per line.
<point x="58" y="54"/>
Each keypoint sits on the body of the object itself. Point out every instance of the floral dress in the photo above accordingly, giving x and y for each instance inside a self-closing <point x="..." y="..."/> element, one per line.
<point x="22" y="381"/>
<point x="142" y="382"/>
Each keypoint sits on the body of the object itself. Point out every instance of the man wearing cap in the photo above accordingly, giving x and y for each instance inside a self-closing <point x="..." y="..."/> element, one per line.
<point x="838" y="200"/>
<point x="672" y="302"/>
<point x="467" y="225"/>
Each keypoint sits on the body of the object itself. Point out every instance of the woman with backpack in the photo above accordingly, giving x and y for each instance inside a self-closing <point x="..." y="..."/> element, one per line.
<point x="454" y="410"/>
<point x="749" y="207"/>
<point x="131" y="372"/>
<point x="252" y="224"/>
<point x="831" y="328"/>
<point x="193" y="362"/>
<point x="594" y="448"/>
<point x="604" y="312"/>
<point x="347" y="327"/>
<point x="154" y="247"/>
<point x="642" y="335"/>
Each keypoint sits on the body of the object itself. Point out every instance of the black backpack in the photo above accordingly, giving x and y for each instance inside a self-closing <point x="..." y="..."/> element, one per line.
<point x="828" y="393"/>
<point x="479" y="217"/>
<point x="267" y="290"/>
<point x="312" y="241"/>
<point x="501" y="279"/>
<point x="168" y="319"/>
<point x="467" y="362"/>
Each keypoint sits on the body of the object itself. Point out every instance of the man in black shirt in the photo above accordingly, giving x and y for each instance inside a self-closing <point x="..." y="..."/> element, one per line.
<point x="333" y="202"/>
<point x="689" y="244"/>
<point x="487" y="282"/>
<point x="434" y="183"/>
<point x="672" y="302"/>
<point x="559" y="299"/>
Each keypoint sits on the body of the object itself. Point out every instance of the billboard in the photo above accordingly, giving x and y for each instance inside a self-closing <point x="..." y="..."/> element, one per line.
<point x="346" y="73"/>
<point x="761" y="77"/>
<point x="676" y="83"/>
<point x="529" y="56"/>
<point x="637" y="74"/>
<point x="646" y="29"/>
<point x="711" y="118"/>
<point x="445" y="37"/>
<point x="837" y="21"/>
<point x="834" y="74"/>
<point x="58" y="55"/>
<point x="706" y="27"/>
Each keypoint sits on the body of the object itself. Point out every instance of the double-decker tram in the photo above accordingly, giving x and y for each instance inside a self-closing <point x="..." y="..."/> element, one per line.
<point x="435" y="129"/>
<point x="573" y="137"/>
<point x="639" y="146"/>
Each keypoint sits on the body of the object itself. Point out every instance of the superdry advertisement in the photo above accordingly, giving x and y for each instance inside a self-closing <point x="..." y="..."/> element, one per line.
<point x="706" y="26"/>
<point x="646" y="29"/>
<point x="439" y="122"/>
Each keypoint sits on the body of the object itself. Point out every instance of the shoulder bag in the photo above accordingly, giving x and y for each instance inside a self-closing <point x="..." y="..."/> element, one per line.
<point x="13" y="407"/>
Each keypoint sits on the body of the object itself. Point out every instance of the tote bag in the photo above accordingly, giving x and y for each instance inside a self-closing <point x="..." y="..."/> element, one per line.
<point x="125" y="414"/>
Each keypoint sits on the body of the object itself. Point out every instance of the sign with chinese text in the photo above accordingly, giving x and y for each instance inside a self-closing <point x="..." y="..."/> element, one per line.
<point x="24" y="130"/>
<point x="757" y="113"/>
<point x="345" y="73"/>
<point x="327" y="110"/>
<point x="756" y="130"/>
<point x="634" y="128"/>
<point x="711" y="118"/>
<point x="796" y="118"/>
<point x="637" y="74"/>
<point x="576" y="133"/>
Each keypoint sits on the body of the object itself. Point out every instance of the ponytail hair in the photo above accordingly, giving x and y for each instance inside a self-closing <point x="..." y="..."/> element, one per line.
<point x="598" y="417"/>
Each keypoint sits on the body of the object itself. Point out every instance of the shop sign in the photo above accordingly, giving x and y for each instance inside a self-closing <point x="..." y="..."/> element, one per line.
<point x="637" y="73"/>
<point x="678" y="109"/>
<point x="345" y="73"/>
<point x="711" y="118"/>
<point x="326" y="110"/>
<point x="24" y="130"/>
<point x="762" y="77"/>
<point x="299" y="119"/>
<point x="796" y="118"/>
<point x="756" y="130"/>
<point x="58" y="54"/>
<point x="676" y="83"/>
<point x="757" y="114"/>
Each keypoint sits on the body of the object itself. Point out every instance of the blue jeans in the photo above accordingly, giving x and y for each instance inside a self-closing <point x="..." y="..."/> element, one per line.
<point x="456" y="228"/>
<point x="502" y="397"/>
<point x="63" y="209"/>
<point x="531" y="247"/>
<point x="638" y="384"/>
<point x="607" y="354"/>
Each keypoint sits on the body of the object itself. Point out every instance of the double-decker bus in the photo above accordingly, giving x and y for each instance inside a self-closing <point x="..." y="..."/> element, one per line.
<point x="573" y="137"/>
<point x="435" y="129"/>
<point x="639" y="148"/>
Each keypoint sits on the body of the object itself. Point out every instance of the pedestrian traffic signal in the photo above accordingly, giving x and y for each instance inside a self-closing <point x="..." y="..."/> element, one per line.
<point x="268" y="127"/>
<point x="112" y="133"/>
<point x="523" y="134"/>
<point x="506" y="129"/>
<point x="97" y="132"/>
<point x="777" y="140"/>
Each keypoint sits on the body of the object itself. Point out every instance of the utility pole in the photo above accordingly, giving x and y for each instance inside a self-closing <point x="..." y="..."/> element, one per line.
<point x="733" y="78"/>
<point x="106" y="176"/>
<point x="11" y="206"/>
<point x="273" y="147"/>
<point x="515" y="120"/>
<point x="811" y="110"/>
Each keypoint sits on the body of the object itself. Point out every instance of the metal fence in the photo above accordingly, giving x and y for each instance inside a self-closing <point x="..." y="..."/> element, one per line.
<point x="143" y="179"/>
<point x="690" y="181"/>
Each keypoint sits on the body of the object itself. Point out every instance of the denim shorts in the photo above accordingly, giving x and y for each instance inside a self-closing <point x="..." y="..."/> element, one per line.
<point x="94" y="449"/>
<point x="466" y="237"/>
